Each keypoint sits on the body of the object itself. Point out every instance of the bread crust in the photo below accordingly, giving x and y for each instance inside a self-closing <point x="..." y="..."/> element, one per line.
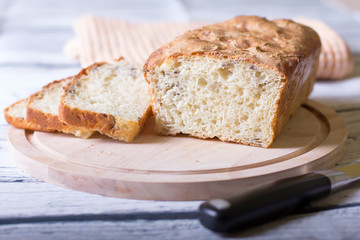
<point x="107" y="124"/>
<point x="50" y="121"/>
<point x="47" y="120"/>
<point x="279" y="44"/>
<point x="22" y="122"/>
<point x="104" y="123"/>
<point x="283" y="46"/>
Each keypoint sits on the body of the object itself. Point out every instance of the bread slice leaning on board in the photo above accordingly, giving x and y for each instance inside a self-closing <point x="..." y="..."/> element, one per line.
<point x="239" y="80"/>
<point x="111" y="98"/>
<point x="43" y="109"/>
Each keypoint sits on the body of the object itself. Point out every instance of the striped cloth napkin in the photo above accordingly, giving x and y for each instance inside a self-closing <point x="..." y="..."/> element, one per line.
<point x="100" y="39"/>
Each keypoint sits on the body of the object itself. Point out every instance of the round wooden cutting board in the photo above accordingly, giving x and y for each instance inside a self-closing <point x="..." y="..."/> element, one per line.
<point x="180" y="168"/>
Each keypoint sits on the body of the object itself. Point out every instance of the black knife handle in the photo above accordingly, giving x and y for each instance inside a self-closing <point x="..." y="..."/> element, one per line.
<point x="241" y="211"/>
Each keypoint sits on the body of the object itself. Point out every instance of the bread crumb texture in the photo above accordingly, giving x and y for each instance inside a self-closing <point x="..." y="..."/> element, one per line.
<point x="47" y="100"/>
<point x="18" y="109"/>
<point x="15" y="115"/>
<point x="118" y="89"/>
<point x="239" y="80"/>
<point x="43" y="109"/>
<point x="111" y="98"/>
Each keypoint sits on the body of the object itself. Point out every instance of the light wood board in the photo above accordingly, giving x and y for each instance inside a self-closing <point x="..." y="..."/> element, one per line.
<point x="180" y="168"/>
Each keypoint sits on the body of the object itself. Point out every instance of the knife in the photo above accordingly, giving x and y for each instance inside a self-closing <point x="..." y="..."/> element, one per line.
<point x="241" y="211"/>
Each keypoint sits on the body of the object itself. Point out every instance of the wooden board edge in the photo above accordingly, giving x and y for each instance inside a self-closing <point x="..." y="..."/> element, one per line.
<point x="153" y="190"/>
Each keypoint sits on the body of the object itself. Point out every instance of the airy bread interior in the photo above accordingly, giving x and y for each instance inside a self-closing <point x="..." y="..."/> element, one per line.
<point x="111" y="98"/>
<point x="43" y="109"/>
<point x="117" y="89"/>
<point x="15" y="115"/>
<point x="18" y="110"/>
<point x="209" y="97"/>
<point x="47" y="100"/>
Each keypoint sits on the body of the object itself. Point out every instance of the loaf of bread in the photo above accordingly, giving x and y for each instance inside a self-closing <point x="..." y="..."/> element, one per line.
<point x="111" y="98"/>
<point x="43" y="109"/>
<point x="239" y="80"/>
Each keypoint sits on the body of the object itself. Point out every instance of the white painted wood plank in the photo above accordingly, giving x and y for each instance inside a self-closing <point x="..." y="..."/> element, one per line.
<point x="27" y="197"/>
<point x="221" y="10"/>
<point x="20" y="82"/>
<point x="352" y="119"/>
<point x="349" y="87"/>
<point x="35" y="47"/>
<point x="31" y="199"/>
<point x="4" y="4"/>
<point x="324" y="225"/>
<point x="53" y="14"/>
<point x="340" y="95"/>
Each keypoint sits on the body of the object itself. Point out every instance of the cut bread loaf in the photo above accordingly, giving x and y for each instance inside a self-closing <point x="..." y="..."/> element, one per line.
<point x="111" y="98"/>
<point x="43" y="109"/>
<point x="15" y="115"/>
<point x="239" y="80"/>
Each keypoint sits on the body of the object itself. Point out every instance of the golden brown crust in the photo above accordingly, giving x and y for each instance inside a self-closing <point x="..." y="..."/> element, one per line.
<point x="50" y="121"/>
<point x="296" y="90"/>
<point x="80" y="118"/>
<point x="104" y="123"/>
<point x="283" y="46"/>
<point x="278" y="44"/>
<point x="46" y="120"/>
<point x="89" y="68"/>
<point x="20" y="122"/>
<point x="86" y="119"/>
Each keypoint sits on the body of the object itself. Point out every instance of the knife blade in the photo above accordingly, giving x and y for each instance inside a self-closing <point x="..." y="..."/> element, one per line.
<point x="241" y="211"/>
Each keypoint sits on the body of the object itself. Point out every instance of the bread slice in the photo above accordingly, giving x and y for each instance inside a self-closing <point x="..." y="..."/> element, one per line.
<point x="43" y="109"/>
<point x="239" y="80"/>
<point x="111" y="98"/>
<point x="15" y="115"/>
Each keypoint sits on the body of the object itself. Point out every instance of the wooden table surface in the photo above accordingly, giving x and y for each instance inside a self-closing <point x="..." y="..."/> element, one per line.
<point x="32" y="34"/>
